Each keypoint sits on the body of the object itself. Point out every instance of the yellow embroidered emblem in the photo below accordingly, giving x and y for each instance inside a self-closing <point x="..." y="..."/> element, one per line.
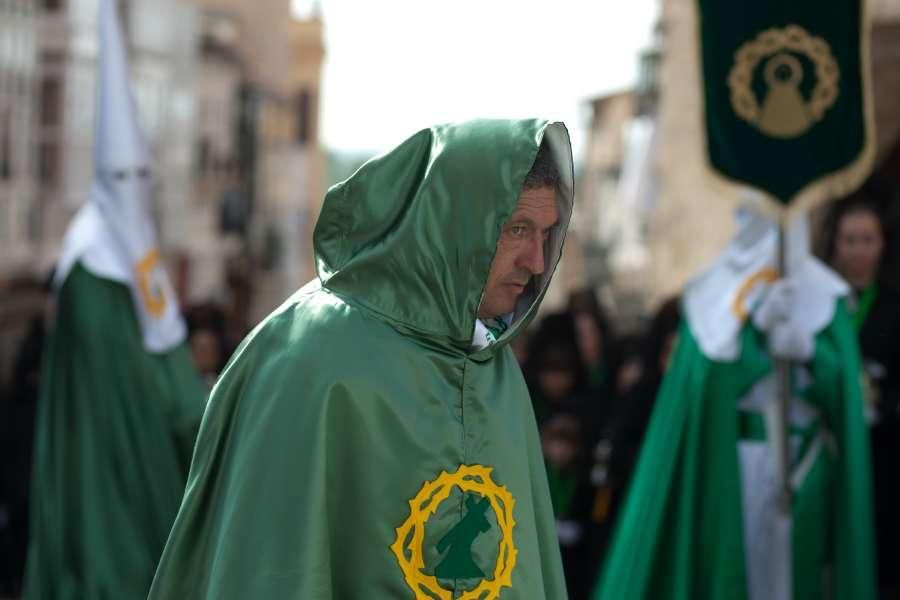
<point x="785" y="112"/>
<point x="153" y="297"/>
<point x="411" y="534"/>
<point x="739" y="305"/>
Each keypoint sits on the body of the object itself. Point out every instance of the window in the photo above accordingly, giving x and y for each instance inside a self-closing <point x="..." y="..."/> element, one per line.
<point x="54" y="58"/>
<point x="202" y="156"/>
<point x="5" y="145"/>
<point x="304" y="117"/>
<point x="51" y="101"/>
<point x="124" y="10"/>
<point x="48" y="162"/>
<point x="34" y="222"/>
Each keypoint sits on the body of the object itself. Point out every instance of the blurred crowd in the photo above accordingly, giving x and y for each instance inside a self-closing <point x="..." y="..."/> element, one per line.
<point x="593" y="393"/>
<point x="593" y="389"/>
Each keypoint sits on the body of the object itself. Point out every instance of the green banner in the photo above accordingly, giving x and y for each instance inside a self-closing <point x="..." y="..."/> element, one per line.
<point x="787" y="95"/>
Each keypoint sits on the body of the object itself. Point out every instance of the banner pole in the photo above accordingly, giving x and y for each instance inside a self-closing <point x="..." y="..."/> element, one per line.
<point x="783" y="372"/>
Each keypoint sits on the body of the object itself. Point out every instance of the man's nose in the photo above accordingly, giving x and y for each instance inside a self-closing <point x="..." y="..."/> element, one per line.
<point x="532" y="256"/>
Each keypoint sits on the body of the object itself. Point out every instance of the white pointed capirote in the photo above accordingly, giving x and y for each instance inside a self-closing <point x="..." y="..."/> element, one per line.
<point x="113" y="235"/>
<point x="119" y="142"/>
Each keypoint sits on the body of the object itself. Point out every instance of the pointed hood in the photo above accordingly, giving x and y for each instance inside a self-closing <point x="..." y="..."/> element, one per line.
<point x="113" y="234"/>
<point x="411" y="235"/>
<point x="118" y="143"/>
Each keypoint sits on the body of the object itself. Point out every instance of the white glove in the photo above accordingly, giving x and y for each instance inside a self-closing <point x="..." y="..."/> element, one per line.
<point x="778" y="316"/>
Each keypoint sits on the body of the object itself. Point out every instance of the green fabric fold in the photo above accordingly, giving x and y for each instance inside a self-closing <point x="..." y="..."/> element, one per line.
<point x="681" y="532"/>
<point x="353" y="430"/>
<point x="114" y="435"/>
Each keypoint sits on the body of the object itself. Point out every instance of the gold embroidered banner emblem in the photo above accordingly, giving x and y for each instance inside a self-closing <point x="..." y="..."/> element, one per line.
<point x="784" y="111"/>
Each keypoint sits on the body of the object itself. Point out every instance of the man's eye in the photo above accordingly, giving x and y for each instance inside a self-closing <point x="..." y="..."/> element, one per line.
<point x="517" y="230"/>
<point x="545" y="235"/>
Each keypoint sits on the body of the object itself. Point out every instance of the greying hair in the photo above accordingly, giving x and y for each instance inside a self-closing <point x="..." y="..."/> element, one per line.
<point x="543" y="172"/>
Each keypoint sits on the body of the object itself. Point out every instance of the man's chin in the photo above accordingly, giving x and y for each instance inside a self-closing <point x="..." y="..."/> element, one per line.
<point x="508" y="306"/>
<point x="503" y="304"/>
<point x="497" y="310"/>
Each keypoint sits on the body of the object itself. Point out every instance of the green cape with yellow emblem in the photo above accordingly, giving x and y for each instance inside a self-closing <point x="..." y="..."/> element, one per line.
<point x="357" y="446"/>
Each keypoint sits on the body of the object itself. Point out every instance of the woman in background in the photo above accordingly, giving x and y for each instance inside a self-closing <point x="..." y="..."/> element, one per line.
<point x="857" y="252"/>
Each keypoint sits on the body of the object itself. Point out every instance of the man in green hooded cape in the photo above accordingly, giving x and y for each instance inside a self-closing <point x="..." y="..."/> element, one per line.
<point x="373" y="438"/>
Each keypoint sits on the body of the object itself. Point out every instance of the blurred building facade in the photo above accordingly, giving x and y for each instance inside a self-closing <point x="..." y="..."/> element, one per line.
<point x="260" y="163"/>
<point x="47" y="89"/>
<point x="18" y="101"/>
<point x="220" y="210"/>
<point x="617" y="193"/>
<point x="228" y="96"/>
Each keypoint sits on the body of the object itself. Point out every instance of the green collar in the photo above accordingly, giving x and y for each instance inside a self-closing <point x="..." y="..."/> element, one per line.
<point x="497" y="326"/>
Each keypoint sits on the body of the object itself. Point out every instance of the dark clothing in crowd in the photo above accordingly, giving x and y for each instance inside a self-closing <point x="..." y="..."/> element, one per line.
<point x="635" y="406"/>
<point x="879" y="339"/>
<point x="572" y="496"/>
<point x="17" y="413"/>
<point x="575" y="373"/>
<point x="568" y="407"/>
<point x="561" y="382"/>
<point x="621" y="426"/>
<point x="615" y="456"/>
<point x="207" y="338"/>
<point x="553" y="371"/>
<point x="627" y="431"/>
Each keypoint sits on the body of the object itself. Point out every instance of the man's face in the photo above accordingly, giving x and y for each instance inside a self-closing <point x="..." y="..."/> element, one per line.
<point x="520" y="251"/>
<point x="858" y="247"/>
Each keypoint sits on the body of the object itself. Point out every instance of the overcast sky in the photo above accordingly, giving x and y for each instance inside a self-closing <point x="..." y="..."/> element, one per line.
<point x="395" y="66"/>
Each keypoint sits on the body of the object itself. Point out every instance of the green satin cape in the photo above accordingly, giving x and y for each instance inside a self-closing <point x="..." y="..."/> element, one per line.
<point x="680" y="533"/>
<point x="114" y="432"/>
<point x="344" y="404"/>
